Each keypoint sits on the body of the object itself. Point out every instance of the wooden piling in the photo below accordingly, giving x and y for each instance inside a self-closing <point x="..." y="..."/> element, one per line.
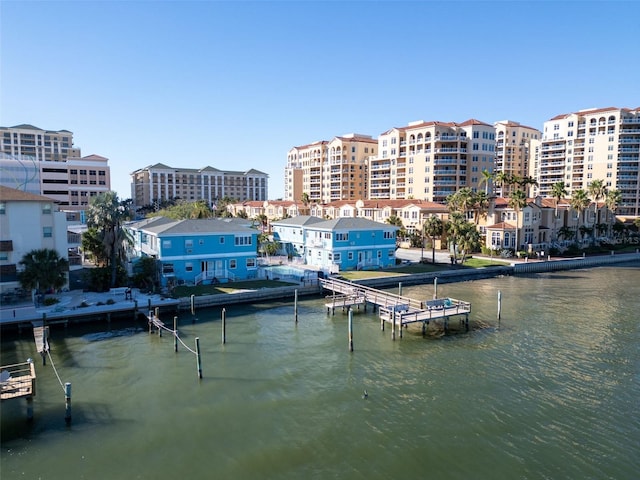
<point x="400" y="323"/>
<point x="67" y="403"/>
<point x="135" y="309"/>
<point x="193" y="304"/>
<point x="399" y="289"/>
<point x="393" y="324"/>
<point x="150" y="321"/>
<point x="175" y="334"/>
<point x="224" y="326"/>
<point x="198" y="357"/>
<point x="381" y="323"/>
<point x="29" y="400"/>
<point x="350" y="330"/>
<point x="295" y="305"/>
<point x="45" y="340"/>
<point x="435" y="288"/>
<point x="499" y="305"/>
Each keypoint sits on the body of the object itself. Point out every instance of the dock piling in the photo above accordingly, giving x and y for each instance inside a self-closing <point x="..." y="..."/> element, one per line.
<point x="67" y="403"/>
<point x="350" y="330"/>
<point x="198" y="357"/>
<point x="193" y="304"/>
<point x="295" y="305"/>
<point x="224" y="326"/>
<point x="435" y="288"/>
<point x="499" y="306"/>
<point x="175" y="334"/>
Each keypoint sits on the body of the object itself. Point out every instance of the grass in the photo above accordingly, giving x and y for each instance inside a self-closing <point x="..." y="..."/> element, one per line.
<point x="483" y="262"/>
<point x="394" y="272"/>
<point x="198" y="290"/>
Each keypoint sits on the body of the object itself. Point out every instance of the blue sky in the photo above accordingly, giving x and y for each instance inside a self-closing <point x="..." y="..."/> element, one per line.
<point x="235" y="85"/>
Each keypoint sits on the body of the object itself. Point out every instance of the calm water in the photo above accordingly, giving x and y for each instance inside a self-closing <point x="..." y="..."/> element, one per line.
<point x="552" y="393"/>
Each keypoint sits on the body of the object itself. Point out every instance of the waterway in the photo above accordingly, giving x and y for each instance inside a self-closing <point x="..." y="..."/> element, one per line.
<point x="549" y="392"/>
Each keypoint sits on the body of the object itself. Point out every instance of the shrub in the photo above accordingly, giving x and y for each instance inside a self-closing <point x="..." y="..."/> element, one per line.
<point x="111" y="301"/>
<point x="50" y="301"/>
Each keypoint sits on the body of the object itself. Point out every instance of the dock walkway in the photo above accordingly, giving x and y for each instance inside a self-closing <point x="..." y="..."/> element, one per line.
<point x="395" y="309"/>
<point x="18" y="381"/>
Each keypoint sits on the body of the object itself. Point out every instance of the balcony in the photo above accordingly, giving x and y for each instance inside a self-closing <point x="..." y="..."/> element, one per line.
<point x="626" y="120"/>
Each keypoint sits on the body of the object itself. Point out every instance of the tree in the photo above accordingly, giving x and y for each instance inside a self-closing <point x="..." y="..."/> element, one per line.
<point x="454" y="228"/>
<point x="106" y="213"/>
<point x="596" y="190"/>
<point x="433" y="227"/>
<point x="612" y="200"/>
<point x="304" y="198"/>
<point x="145" y="272"/>
<point x="558" y="192"/>
<point x="480" y="206"/>
<point x="397" y="221"/>
<point x="566" y="233"/>
<point x="487" y="178"/>
<point x="580" y="202"/>
<point x="43" y="269"/>
<point x="517" y="201"/>
<point x="468" y="239"/>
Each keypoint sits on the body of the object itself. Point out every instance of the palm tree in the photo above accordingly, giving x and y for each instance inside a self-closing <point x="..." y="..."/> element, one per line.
<point x="454" y="228"/>
<point x="480" y="206"/>
<point x="43" y="269"/>
<point x="612" y="200"/>
<point x="503" y="179"/>
<point x="106" y="213"/>
<point x="487" y="178"/>
<point x="517" y="201"/>
<point x="397" y="221"/>
<point x="558" y="192"/>
<point x="566" y="233"/>
<point x="596" y="190"/>
<point x="468" y="239"/>
<point x="433" y="227"/>
<point x="580" y="202"/>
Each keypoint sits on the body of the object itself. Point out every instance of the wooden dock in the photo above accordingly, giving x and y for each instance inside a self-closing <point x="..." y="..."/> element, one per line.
<point x="395" y="309"/>
<point x="18" y="381"/>
<point x="41" y="337"/>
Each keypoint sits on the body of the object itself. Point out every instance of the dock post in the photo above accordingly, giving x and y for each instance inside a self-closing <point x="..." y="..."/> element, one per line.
<point x="135" y="309"/>
<point x="224" y="326"/>
<point x="198" y="357"/>
<point x="393" y="324"/>
<point x="295" y="305"/>
<point x="400" y="323"/>
<point x="150" y="321"/>
<point x="350" y="330"/>
<point x="175" y="334"/>
<point x="109" y="319"/>
<point x="424" y="328"/>
<point x="193" y="304"/>
<point x="381" y="323"/>
<point x="44" y="339"/>
<point x="399" y="289"/>
<point x="29" y="400"/>
<point x="446" y="325"/>
<point x="149" y="303"/>
<point x="466" y="321"/>
<point x="67" y="403"/>
<point x="499" y="305"/>
<point x="435" y="288"/>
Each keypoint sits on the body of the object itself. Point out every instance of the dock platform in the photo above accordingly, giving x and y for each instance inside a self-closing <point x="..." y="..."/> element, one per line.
<point x="397" y="310"/>
<point x="18" y="381"/>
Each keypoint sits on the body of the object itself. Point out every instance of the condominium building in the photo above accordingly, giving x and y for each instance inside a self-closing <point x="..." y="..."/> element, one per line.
<point x="514" y="151"/>
<point x="593" y="144"/>
<point x="431" y="160"/>
<point x="329" y="170"/>
<point x="159" y="182"/>
<point x="43" y="145"/>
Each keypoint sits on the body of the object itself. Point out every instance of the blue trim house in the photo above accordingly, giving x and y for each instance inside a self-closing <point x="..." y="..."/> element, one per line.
<point x="199" y="250"/>
<point x="350" y="244"/>
<point x="290" y="233"/>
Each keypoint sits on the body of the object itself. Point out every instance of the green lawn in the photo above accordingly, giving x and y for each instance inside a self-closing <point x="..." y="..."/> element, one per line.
<point x="197" y="290"/>
<point x="483" y="262"/>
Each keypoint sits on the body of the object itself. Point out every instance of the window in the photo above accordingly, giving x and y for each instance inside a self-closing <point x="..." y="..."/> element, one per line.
<point x="221" y="240"/>
<point x="46" y="208"/>
<point x="243" y="240"/>
<point x="251" y="263"/>
<point x="166" y="243"/>
<point x="47" y="232"/>
<point x="3" y="208"/>
<point x="350" y="255"/>
<point x="337" y="257"/>
<point x="232" y="264"/>
<point x="167" y="268"/>
<point x="379" y="253"/>
<point x="188" y="243"/>
<point x="188" y="267"/>
<point x="4" y="256"/>
<point x="388" y="235"/>
<point x="342" y="237"/>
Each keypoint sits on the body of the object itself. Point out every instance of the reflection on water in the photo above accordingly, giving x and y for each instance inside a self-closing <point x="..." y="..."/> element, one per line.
<point x="549" y="392"/>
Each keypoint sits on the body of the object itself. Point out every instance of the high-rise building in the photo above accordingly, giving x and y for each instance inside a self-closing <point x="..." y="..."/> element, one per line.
<point x="45" y="162"/>
<point x="330" y="170"/>
<point x="159" y="182"/>
<point x="514" y="152"/>
<point x="431" y="160"/>
<point x="43" y="145"/>
<point x="593" y="144"/>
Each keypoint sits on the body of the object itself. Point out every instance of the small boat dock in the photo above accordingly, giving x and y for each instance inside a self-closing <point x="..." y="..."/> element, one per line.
<point x="395" y="309"/>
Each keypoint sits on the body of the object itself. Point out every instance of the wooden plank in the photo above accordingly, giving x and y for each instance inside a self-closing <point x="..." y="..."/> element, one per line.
<point x="38" y="336"/>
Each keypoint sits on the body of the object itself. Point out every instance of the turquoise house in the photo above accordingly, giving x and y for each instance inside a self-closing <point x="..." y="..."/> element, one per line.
<point x="289" y="233"/>
<point x="197" y="251"/>
<point x="349" y="243"/>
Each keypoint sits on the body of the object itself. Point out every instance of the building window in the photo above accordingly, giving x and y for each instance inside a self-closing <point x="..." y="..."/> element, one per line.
<point x="166" y="243"/>
<point x="232" y="264"/>
<point x="46" y="208"/>
<point x="350" y="255"/>
<point x="251" y="262"/>
<point x="188" y="267"/>
<point x="337" y="257"/>
<point x="188" y="243"/>
<point x="221" y="240"/>
<point x="342" y="237"/>
<point x="4" y="256"/>
<point x="3" y="208"/>
<point x="167" y="268"/>
<point x="47" y="232"/>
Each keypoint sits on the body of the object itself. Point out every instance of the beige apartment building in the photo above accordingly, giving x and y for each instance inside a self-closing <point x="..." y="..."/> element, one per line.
<point x="431" y="160"/>
<point x="44" y="162"/>
<point x="329" y="170"/>
<point x="43" y="145"/>
<point x="159" y="182"/>
<point x="515" y="152"/>
<point x="593" y="144"/>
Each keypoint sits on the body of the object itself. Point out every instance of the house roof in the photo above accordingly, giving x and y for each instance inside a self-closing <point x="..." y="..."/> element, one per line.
<point x="8" y="194"/>
<point x="351" y="223"/>
<point x="300" y="220"/>
<point x="501" y="226"/>
<point x="202" y="226"/>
